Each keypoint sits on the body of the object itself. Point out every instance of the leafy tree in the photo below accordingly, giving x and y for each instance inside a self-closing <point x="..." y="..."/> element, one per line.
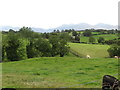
<point x="3" y="43"/>
<point x="87" y="33"/>
<point x="74" y="33"/>
<point x="59" y="44"/>
<point x="26" y="32"/>
<point x="77" y="38"/>
<point x="63" y="48"/>
<point x="55" y="44"/>
<point x="46" y="35"/>
<point x="101" y="40"/>
<point x="91" y="39"/>
<point x="65" y="36"/>
<point x="43" y="46"/>
<point x="31" y="50"/>
<point x="16" y="48"/>
<point x="114" y="50"/>
<point x="11" y="30"/>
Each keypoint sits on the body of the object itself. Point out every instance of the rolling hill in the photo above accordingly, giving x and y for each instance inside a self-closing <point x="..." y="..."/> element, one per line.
<point x="95" y="51"/>
<point x="57" y="72"/>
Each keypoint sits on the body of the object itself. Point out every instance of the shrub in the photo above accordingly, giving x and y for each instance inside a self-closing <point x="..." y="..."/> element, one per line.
<point x="114" y="50"/>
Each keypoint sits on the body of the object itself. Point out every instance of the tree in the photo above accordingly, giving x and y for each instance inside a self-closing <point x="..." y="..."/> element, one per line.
<point x="43" y="46"/>
<point x="65" y="36"/>
<point x="77" y="38"/>
<point x="114" y="50"/>
<point x="74" y="33"/>
<point x="91" y="39"/>
<point x="26" y="32"/>
<point x="31" y="50"/>
<point x="63" y="48"/>
<point x="87" y="33"/>
<point x="59" y="45"/>
<point x="55" y="45"/>
<point x="10" y="30"/>
<point x="15" y="48"/>
<point x="101" y="40"/>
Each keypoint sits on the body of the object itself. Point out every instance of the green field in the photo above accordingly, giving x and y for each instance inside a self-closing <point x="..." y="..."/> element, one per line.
<point x="105" y="36"/>
<point x="95" y="51"/>
<point x="58" y="72"/>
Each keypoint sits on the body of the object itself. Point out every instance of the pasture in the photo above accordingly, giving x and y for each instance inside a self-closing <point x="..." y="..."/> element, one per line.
<point x="95" y="51"/>
<point x="105" y="36"/>
<point x="58" y="72"/>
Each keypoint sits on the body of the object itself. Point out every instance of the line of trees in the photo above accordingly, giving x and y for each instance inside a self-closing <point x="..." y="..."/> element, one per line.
<point x="23" y="44"/>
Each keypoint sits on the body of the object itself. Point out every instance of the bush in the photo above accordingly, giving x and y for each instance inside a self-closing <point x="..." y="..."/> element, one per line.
<point x="101" y="40"/>
<point x="114" y="50"/>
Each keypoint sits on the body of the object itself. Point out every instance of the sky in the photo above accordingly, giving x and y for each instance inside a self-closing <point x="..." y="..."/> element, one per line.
<point x="53" y="13"/>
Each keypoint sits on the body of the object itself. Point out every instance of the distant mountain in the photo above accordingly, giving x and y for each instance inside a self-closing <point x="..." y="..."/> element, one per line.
<point x="74" y="26"/>
<point x="105" y="26"/>
<point x="6" y="28"/>
<point x="81" y="26"/>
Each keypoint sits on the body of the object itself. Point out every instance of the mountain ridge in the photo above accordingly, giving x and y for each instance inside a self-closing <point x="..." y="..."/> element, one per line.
<point x="80" y="26"/>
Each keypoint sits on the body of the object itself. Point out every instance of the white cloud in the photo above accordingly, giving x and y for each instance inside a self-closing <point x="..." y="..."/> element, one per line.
<point x="52" y="13"/>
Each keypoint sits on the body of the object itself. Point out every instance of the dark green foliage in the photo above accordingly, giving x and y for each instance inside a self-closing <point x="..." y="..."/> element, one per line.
<point x="77" y="38"/>
<point x="26" y="32"/>
<point x="43" y="46"/>
<point x="64" y="36"/>
<point x="54" y="42"/>
<point x="118" y="33"/>
<point x="74" y="33"/>
<point x="11" y="31"/>
<point x="15" y="48"/>
<point x="31" y="50"/>
<point x="114" y="41"/>
<point x="111" y="31"/>
<point x="46" y="35"/>
<point x="101" y="40"/>
<point x="59" y="44"/>
<point x="87" y="33"/>
<point x="91" y="39"/>
<point x="63" y="48"/>
<point x="114" y="50"/>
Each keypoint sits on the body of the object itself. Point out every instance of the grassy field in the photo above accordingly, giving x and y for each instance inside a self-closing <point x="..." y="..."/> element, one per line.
<point x="105" y="36"/>
<point x="58" y="72"/>
<point x="95" y="51"/>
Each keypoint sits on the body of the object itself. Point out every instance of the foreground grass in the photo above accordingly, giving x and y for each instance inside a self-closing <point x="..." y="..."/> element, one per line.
<point x="95" y="51"/>
<point x="57" y="72"/>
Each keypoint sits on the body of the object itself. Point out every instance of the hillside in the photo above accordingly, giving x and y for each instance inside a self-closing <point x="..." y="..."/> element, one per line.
<point x="95" y="51"/>
<point x="105" y="36"/>
<point x="57" y="72"/>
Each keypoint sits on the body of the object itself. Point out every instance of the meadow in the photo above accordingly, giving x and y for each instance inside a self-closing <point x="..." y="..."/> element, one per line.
<point x="95" y="51"/>
<point x="105" y="36"/>
<point x="58" y="72"/>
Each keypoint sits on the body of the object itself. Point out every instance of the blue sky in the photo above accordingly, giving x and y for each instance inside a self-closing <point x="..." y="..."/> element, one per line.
<point x="53" y="13"/>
